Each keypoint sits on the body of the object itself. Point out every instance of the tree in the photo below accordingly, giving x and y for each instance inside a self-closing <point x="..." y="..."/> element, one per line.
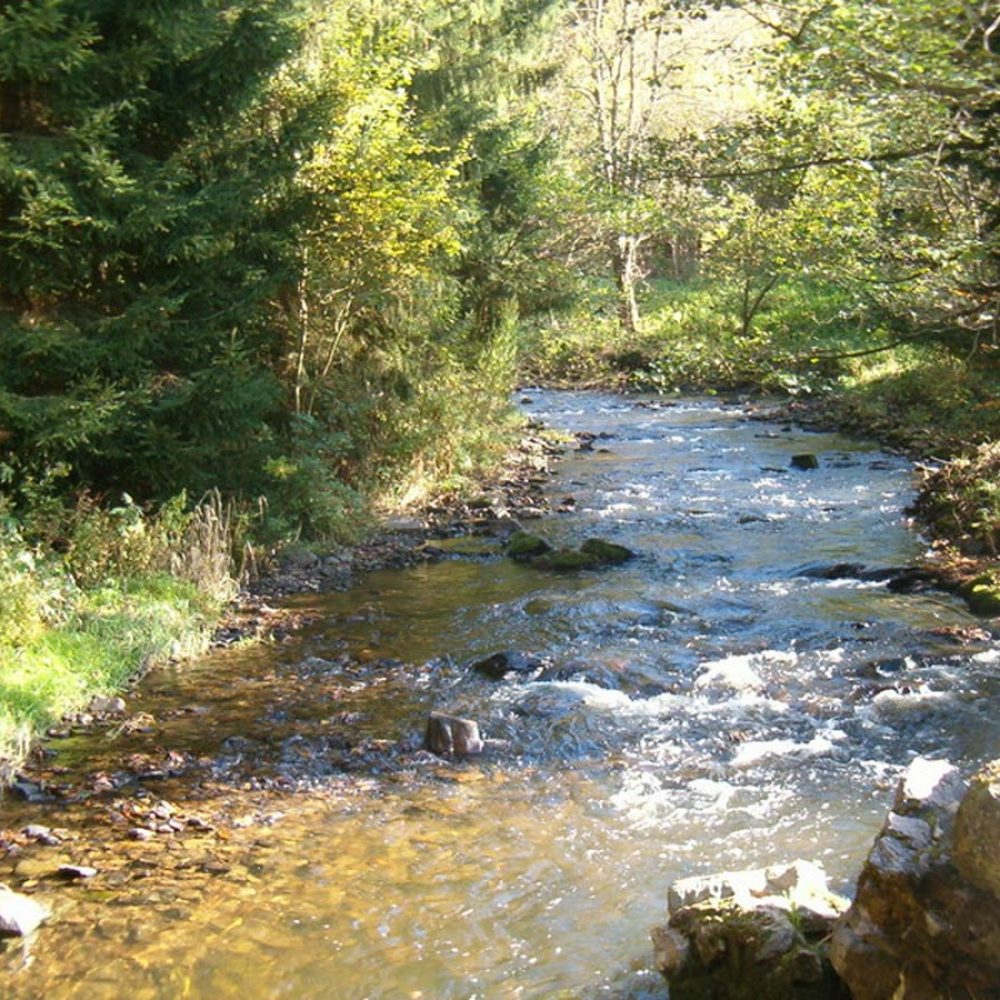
<point x="640" y="79"/>
<point x="144" y="197"/>
<point x="617" y="68"/>
<point x="474" y="92"/>
<point x="919" y="83"/>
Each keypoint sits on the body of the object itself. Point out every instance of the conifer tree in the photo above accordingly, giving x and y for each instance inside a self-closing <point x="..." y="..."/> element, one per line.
<point x="475" y="90"/>
<point x="144" y="202"/>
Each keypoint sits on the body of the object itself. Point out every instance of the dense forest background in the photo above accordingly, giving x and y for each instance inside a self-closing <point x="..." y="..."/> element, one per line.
<point x="289" y="249"/>
<point x="293" y="255"/>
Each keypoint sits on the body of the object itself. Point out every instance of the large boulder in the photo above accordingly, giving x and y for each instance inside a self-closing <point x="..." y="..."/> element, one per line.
<point x="756" y="934"/>
<point x="977" y="831"/>
<point x="594" y="553"/>
<point x="925" y="922"/>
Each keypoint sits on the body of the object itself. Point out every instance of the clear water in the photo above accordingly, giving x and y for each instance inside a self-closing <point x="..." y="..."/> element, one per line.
<point x="715" y="709"/>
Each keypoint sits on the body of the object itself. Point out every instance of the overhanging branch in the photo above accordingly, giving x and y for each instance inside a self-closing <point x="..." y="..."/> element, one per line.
<point x="889" y="156"/>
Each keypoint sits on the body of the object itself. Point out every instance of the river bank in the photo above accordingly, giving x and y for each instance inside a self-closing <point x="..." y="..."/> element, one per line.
<point x="89" y="629"/>
<point x="921" y="395"/>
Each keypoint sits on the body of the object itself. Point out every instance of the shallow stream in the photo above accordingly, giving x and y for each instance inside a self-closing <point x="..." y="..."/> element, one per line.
<point x="718" y="702"/>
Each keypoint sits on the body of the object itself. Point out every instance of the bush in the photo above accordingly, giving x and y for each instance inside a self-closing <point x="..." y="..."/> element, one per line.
<point x="197" y="545"/>
<point x="32" y="595"/>
<point x="132" y="588"/>
<point x="690" y="340"/>
<point x="961" y="500"/>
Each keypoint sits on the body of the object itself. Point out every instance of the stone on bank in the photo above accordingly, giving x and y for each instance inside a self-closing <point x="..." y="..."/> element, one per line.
<point x="756" y="934"/>
<point x="926" y="919"/>
<point x="20" y="915"/>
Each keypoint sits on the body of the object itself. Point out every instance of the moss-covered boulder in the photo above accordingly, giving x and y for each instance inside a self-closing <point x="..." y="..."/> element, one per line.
<point x="566" y="560"/>
<point x="595" y="553"/>
<point x="607" y="553"/>
<point x="524" y="546"/>
<point x="983" y="595"/>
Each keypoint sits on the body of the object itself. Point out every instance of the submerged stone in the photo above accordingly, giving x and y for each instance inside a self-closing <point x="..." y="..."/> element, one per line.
<point x="805" y="462"/>
<point x="499" y="665"/>
<point x="589" y="673"/>
<point x="608" y="553"/>
<point x="538" y="606"/>
<point x="566" y="560"/>
<point x="834" y="571"/>
<point x="523" y="546"/>
<point x="548" y="704"/>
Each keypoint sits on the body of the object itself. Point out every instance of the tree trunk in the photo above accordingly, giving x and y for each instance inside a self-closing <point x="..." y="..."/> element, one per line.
<point x="749" y="306"/>
<point x="624" y="258"/>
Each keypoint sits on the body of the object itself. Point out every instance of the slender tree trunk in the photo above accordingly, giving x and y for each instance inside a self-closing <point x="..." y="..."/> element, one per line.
<point x="624" y="260"/>
<point x="302" y="310"/>
<point x="750" y="306"/>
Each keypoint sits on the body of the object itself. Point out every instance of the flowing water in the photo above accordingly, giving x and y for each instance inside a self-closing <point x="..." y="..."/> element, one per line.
<point x="715" y="703"/>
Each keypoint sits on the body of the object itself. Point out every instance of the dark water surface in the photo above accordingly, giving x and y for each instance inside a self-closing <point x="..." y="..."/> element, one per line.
<point x="713" y="707"/>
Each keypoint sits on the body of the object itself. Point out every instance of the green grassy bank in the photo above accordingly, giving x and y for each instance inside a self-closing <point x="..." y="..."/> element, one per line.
<point x="118" y="591"/>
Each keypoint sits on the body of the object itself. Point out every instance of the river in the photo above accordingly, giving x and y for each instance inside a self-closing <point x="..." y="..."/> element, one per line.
<point x="717" y="702"/>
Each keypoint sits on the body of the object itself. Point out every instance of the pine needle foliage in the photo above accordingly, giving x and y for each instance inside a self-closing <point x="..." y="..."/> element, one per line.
<point x="145" y="187"/>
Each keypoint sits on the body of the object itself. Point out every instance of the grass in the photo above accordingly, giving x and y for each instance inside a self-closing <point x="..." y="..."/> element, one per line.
<point x="111" y="635"/>
<point x="131" y="590"/>
<point x="808" y="341"/>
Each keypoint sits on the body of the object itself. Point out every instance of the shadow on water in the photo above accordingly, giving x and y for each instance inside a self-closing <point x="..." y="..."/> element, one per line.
<point x="716" y="702"/>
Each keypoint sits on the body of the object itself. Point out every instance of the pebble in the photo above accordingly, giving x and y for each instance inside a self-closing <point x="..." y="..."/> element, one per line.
<point x="41" y="834"/>
<point x="105" y="705"/>
<point x="76" y="871"/>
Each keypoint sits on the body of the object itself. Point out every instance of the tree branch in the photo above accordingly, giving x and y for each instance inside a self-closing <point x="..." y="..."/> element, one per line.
<point x="890" y="156"/>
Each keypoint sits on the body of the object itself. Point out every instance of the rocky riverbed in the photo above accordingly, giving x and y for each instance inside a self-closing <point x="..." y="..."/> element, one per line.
<point x="269" y="819"/>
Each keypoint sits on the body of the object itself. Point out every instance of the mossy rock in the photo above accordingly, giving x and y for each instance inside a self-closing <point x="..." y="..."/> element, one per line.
<point x="607" y="553"/>
<point x="983" y="597"/>
<point x="749" y="954"/>
<point x="522" y="545"/>
<point x="566" y="560"/>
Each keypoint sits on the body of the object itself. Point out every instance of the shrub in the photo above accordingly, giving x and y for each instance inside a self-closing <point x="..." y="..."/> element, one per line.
<point x="32" y="594"/>
<point x="961" y="500"/>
